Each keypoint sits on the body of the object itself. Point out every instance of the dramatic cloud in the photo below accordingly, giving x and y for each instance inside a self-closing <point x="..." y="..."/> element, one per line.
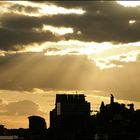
<point x="20" y="108"/>
<point x="22" y="38"/>
<point x="19" y="22"/>
<point x="24" y="9"/>
<point x="14" y="111"/>
<point x="35" y="70"/>
<point x="18" y="28"/>
<point x="36" y="9"/>
<point x="102" y="21"/>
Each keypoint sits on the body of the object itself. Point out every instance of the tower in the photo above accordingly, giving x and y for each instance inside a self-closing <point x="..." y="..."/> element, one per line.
<point x="111" y="99"/>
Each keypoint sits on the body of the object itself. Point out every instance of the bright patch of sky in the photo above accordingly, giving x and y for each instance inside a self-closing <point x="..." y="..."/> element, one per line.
<point x="97" y="51"/>
<point x="55" y="30"/>
<point x="131" y="56"/>
<point x="132" y="22"/>
<point x="129" y="3"/>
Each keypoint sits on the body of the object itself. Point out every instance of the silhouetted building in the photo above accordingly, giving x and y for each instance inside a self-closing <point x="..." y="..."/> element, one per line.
<point x="37" y="124"/>
<point x="116" y="121"/>
<point x="114" y="110"/>
<point x="131" y="107"/>
<point x="71" y="111"/>
<point x="1" y="129"/>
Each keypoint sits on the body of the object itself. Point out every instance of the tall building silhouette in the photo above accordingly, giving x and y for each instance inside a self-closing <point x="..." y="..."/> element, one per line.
<point x="1" y="129"/>
<point x="71" y="112"/>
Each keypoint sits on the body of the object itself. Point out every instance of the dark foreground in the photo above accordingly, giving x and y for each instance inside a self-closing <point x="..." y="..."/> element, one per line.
<point x="71" y="120"/>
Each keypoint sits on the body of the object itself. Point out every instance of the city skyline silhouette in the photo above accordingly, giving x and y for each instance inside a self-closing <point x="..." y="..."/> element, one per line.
<point x="71" y="119"/>
<point x="71" y="55"/>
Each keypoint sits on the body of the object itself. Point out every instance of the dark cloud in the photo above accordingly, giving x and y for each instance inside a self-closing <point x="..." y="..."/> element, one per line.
<point x="26" y="9"/>
<point x="20" y="22"/>
<point x="103" y="21"/>
<point x="20" y="108"/>
<point x="18" y="30"/>
<point x="10" y="38"/>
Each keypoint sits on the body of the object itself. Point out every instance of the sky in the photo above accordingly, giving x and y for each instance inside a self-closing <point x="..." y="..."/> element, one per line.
<point x="50" y="47"/>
